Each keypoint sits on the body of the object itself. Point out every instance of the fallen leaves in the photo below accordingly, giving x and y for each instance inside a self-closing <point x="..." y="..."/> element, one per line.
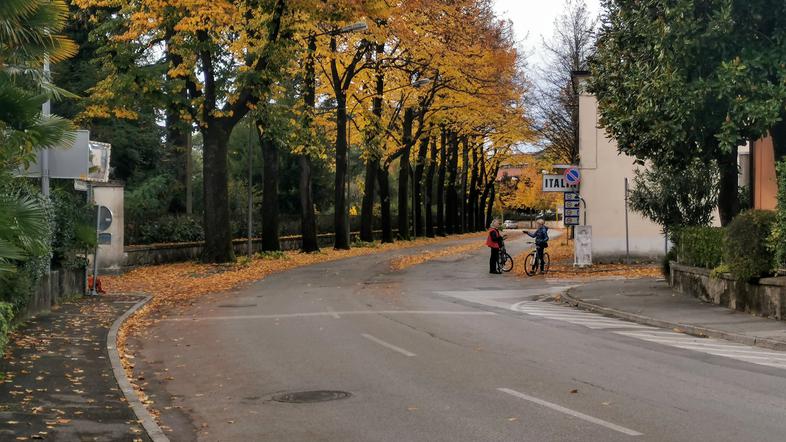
<point x="403" y="262"/>
<point x="561" y="254"/>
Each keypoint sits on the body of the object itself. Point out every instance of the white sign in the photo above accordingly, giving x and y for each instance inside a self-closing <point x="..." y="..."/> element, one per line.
<point x="557" y="183"/>
<point x="582" y="246"/>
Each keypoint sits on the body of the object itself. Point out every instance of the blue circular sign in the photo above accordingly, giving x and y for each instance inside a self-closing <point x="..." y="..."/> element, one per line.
<point x="572" y="176"/>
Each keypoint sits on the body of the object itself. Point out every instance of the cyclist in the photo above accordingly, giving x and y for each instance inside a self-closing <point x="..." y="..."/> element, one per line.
<point x="494" y="242"/>
<point x="541" y="241"/>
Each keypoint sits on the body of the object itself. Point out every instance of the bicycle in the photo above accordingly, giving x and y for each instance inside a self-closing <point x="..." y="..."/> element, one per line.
<point x="505" y="260"/>
<point x="532" y="263"/>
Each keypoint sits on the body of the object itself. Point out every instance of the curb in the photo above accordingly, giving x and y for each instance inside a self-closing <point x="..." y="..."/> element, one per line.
<point x="702" y="332"/>
<point x="155" y="432"/>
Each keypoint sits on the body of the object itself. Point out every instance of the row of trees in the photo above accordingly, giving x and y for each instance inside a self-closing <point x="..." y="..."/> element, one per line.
<point x="680" y="85"/>
<point x="433" y="87"/>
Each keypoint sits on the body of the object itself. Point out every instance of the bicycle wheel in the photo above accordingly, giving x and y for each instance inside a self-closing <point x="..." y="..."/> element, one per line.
<point x="505" y="262"/>
<point x="546" y="262"/>
<point x="529" y="264"/>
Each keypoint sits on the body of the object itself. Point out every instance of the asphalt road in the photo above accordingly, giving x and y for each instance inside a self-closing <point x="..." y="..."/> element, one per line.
<point x="438" y="353"/>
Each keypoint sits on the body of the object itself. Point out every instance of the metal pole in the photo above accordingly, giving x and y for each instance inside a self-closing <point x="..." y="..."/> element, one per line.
<point x="250" y="192"/>
<point x="627" y="233"/>
<point x="46" y="111"/>
<point x="349" y="148"/>
<point x="93" y="291"/>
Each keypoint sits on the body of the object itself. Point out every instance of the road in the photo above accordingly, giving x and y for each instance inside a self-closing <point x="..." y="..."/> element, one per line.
<point x="444" y="352"/>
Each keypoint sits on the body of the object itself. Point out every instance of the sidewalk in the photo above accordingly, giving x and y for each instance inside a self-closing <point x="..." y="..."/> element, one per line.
<point x="57" y="381"/>
<point x="652" y="302"/>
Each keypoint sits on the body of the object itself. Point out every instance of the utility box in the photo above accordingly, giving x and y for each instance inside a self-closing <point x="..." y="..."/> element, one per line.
<point x="109" y="199"/>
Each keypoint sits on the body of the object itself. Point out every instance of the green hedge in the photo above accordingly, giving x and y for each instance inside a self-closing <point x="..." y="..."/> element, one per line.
<point x="748" y="252"/>
<point x="699" y="246"/>
<point x="778" y="236"/>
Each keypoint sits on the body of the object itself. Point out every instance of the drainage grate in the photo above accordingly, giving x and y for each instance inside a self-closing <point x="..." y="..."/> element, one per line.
<point x="308" y="397"/>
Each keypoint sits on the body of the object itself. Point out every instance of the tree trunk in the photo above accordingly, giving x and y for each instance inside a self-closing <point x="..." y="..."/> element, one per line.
<point x="270" y="220"/>
<point x="490" y="208"/>
<point x="372" y="163"/>
<point x="403" y="175"/>
<point x="367" y="206"/>
<point x="418" y="187"/>
<point x="308" y="219"/>
<point x="463" y="190"/>
<point x="429" y="189"/>
<point x="177" y="144"/>
<point x="451" y="191"/>
<point x="482" y="195"/>
<point x="384" y="203"/>
<point x="473" y="192"/>
<point x="728" y="196"/>
<point x="218" y="235"/>
<point x="340" y="196"/>
<point x="441" y="184"/>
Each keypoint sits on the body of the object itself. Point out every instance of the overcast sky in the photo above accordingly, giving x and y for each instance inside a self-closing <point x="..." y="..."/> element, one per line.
<point x="533" y="20"/>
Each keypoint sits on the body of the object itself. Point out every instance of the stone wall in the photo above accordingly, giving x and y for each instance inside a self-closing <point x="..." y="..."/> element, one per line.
<point x="766" y="298"/>
<point x="52" y="289"/>
<point x="153" y="254"/>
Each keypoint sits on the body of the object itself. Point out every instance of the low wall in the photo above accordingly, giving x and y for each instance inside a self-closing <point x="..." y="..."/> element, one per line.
<point x="153" y="254"/>
<point x="766" y="298"/>
<point x="53" y="288"/>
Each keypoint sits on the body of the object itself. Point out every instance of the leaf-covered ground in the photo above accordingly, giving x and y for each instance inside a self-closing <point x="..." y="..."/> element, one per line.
<point x="561" y="252"/>
<point x="57" y="380"/>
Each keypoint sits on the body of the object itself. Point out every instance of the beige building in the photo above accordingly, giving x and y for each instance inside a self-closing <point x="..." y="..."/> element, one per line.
<point x="603" y="174"/>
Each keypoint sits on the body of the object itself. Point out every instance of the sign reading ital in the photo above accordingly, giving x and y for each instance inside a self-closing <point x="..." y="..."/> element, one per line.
<point x="557" y="183"/>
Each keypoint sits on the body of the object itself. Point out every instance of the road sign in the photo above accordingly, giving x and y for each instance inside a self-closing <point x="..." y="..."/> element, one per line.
<point x="557" y="183"/>
<point x="571" y="208"/>
<point x="572" y="176"/>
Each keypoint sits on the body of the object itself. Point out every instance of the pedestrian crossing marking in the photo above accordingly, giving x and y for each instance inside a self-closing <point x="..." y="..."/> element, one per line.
<point x="590" y="320"/>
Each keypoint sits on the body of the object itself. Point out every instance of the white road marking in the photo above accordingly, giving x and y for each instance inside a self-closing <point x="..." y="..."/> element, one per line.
<point x="388" y="345"/>
<point x="570" y="412"/>
<point x="567" y="314"/>
<point x="333" y="314"/>
<point x="715" y="347"/>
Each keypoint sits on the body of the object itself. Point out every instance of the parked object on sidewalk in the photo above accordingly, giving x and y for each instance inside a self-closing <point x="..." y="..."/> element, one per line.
<point x="97" y="288"/>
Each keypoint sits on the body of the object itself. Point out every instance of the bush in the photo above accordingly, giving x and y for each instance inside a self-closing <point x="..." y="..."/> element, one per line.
<point x="778" y="237"/>
<point x="699" y="246"/>
<point x="6" y="323"/>
<point x="747" y="244"/>
<point x="166" y="229"/>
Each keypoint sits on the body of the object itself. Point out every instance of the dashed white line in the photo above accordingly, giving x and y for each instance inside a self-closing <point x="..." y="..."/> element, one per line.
<point x="570" y="412"/>
<point x="388" y="345"/>
<point x="333" y="314"/>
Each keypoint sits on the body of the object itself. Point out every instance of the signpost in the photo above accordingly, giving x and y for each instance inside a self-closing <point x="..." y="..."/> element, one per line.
<point x="571" y="205"/>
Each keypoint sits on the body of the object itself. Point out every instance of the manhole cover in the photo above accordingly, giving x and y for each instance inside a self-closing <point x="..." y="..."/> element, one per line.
<point x="308" y="397"/>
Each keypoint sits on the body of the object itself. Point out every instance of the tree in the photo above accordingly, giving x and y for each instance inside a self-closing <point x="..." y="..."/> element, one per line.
<point x="556" y="101"/>
<point x="29" y="37"/>
<point x="675" y="197"/>
<point x="691" y="79"/>
<point x="230" y="52"/>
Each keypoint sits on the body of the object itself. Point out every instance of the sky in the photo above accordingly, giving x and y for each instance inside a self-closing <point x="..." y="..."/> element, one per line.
<point x="533" y="21"/>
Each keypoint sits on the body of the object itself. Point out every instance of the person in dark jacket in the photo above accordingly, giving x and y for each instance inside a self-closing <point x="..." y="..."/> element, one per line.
<point x="494" y="242"/>
<point x="541" y="236"/>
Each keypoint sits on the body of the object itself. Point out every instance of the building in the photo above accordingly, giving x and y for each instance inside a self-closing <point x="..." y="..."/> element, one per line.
<point x="603" y="175"/>
<point x="763" y="182"/>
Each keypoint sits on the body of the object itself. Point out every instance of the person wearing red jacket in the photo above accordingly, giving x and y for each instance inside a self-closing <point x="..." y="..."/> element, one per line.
<point x="494" y="242"/>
